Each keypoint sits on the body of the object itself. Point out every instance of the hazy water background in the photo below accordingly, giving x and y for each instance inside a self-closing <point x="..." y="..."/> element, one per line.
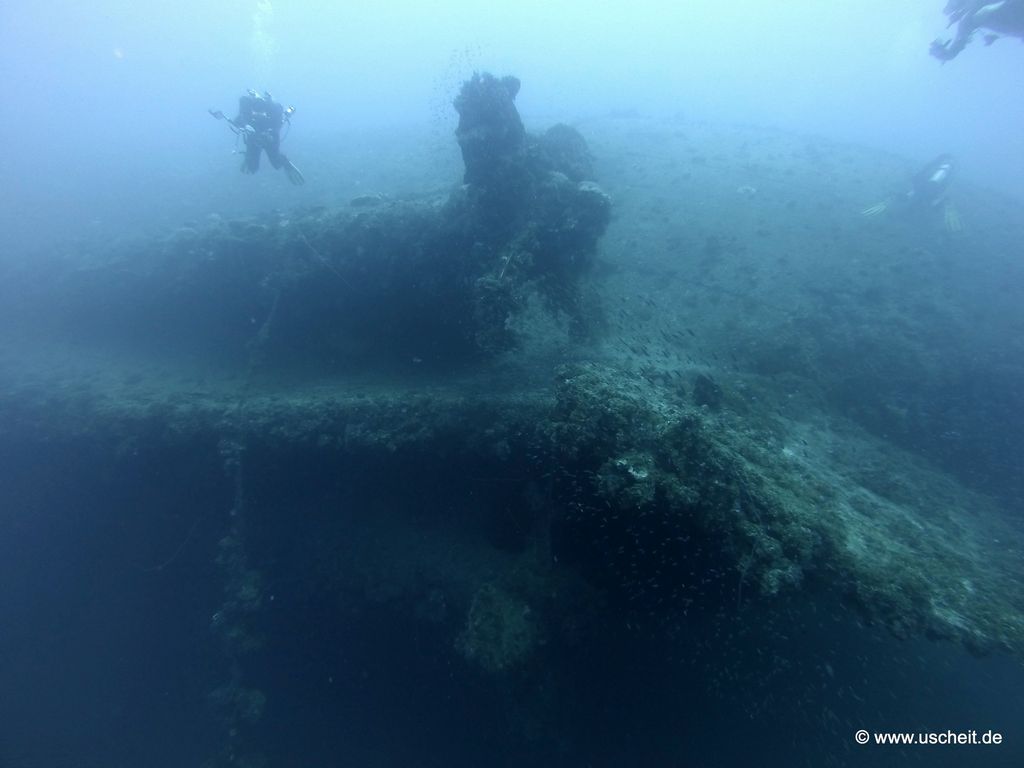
<point x="106" y="134"/>
<point x="105" y="123"/>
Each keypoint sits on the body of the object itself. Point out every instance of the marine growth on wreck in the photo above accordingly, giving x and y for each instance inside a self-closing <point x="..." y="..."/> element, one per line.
<point x="562" y="450"/>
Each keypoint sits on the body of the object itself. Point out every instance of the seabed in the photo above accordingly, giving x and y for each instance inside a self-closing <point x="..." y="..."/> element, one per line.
<point x="760" y="427"/>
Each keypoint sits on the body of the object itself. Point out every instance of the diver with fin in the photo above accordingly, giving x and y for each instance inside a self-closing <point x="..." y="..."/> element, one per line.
<point x="928" y="192"/>
<point x="1005" y="17"/>
<point x="259" y="122"/>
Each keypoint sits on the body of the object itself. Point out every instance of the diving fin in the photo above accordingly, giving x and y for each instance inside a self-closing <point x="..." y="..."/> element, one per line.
<point x="876" y="209"/>
<point x="951" y="218"/>
<point x="294" y="175"/>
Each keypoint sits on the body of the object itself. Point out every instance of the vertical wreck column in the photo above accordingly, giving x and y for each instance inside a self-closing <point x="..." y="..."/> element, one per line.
<point x="239" y="706"/>
<point x="493" y="143"/>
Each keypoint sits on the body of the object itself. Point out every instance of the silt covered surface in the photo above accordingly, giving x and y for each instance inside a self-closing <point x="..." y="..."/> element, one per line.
<point x="368" y="463"/>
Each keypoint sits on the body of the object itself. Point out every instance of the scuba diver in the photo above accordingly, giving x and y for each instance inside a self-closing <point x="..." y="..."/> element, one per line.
<point x="1005" y="17"/>
<point x="259" y="123"/>
<point x="928" y="192"/>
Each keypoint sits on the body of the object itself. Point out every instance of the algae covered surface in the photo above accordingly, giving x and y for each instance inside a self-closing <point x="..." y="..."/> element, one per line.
<point x="697" y="451"/>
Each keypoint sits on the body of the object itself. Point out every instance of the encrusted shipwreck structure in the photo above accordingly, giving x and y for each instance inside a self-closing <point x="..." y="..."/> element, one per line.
<point x="311" y="427"/>
<point x="440" y="280"/>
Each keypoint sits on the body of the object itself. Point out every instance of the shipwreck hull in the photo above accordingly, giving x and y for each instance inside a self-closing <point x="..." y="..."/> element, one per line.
<point x="456" y="468"/>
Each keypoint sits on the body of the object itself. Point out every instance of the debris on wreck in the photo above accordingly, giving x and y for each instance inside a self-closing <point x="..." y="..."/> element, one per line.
<point x="516" y="531"/>
<point x="437" y="280"/>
